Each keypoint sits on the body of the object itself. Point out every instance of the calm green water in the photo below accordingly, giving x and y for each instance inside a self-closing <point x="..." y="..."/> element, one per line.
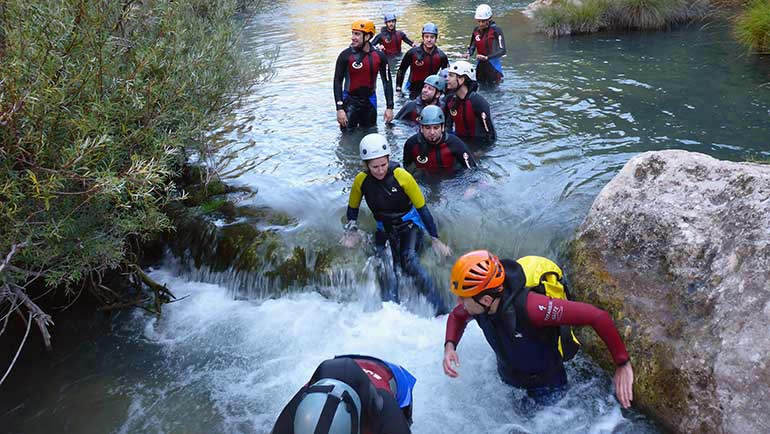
<point x="569" y="114"/>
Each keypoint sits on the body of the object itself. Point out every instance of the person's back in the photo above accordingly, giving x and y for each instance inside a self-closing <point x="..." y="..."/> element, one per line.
<point x="351" y="392"/>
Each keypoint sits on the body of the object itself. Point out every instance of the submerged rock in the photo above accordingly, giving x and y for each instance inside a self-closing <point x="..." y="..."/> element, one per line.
<point x="677" y="248"/>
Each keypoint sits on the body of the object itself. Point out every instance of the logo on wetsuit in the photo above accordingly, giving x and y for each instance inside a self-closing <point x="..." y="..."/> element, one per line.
<point x="453" y="112"/>
<point x="478" y="37"/>
<point x="357" y="65"/>
<point x="422" y="159"/>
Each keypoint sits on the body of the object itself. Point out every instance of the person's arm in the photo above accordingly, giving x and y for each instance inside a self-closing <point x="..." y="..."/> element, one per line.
<point x="449" y="123"/>
<point x="376" y="39"/>
<point x="408" y="159"/>
<point x="444" y="60"/>
<point x="405" y="62"/>
<point x="544" y="311"/>
<point x="472" y="45"/>
<point x="404" y="112"/>
<point x="481" y="106"/>
<point x="386" y="81"/>
<point x="339" y="77"/>
<point x="412" y="190"/>
<point x="462" y="154"/>
<point x="406" y="39"/>
<point x="356" y="194"/>
<point x="498" y="46"/>
<point x="390" y="419"/>
<point x="456" y="322"/>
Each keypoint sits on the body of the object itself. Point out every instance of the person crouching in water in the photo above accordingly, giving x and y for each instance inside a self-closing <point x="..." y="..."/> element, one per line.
<point x="432" y="90"/>
<point x="351" y="395"/>
<point x="399" y="208"/>
<point x="526" y="328"/>
<point x="432" y="150"/>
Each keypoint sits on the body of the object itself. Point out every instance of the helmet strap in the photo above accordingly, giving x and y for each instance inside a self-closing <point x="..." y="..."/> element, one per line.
<point x="494" y="295"/>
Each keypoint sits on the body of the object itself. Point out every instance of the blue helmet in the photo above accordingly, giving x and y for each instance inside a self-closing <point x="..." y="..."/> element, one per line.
<point x="430" y="28"/>
<point x="389" y="17"/>
<point x="436" y="81"/>
<point x="432" y="115"/>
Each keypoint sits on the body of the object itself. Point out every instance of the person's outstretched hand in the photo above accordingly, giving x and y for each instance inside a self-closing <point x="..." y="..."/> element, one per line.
<point x="624" y="384"/>
<point x="451" y="358"/>
<point x="440" y="248"/>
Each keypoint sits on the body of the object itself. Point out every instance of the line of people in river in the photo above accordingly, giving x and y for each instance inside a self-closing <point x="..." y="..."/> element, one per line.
<point x="521" y="306"/>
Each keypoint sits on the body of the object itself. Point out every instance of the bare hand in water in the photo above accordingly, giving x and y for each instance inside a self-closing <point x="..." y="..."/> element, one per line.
<point x="440" y="248"/>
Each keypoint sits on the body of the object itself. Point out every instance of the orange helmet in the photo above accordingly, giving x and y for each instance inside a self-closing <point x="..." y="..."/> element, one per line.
<point x="476" y="272"/>
<point x="364" y="26"/>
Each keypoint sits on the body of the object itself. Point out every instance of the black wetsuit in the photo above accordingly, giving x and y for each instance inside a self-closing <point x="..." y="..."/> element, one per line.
<point x="380" y="413"/>
<point x="399" y="208"/>
<point x="470" y="118"/>
<point x="358" y="70"/>
<point x="421" y="64"/>
<point x="446" y="157"/>
<point x="411" y="110"/>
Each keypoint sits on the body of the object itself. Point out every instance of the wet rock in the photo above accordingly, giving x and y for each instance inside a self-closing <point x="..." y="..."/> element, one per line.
<point x="677" y="248"/>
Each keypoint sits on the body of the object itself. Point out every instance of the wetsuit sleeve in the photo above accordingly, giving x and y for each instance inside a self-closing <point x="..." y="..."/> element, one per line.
<point x="455" y="324"/>
<point x="405" y="62"/>
<point x="339" y="76"/>
<point x="356" y="194"/>
<point x="387" y="82"/>
<point x="472" y="44"/>
<point x="449" y="122"/>
<point x="390" y="419"/>
<point x="462" y="154"/>
<point x="481" y="106"/>
<point x="544" y="311"/>
<point x="444" y="60"/>
<point x="404" y="112"/>
<point x="499" y="51"/>
<point x="408" y="159"/>
<point x="376" y="39"/>
<point x="405" y="38"/>
<point x="427" y="219"/>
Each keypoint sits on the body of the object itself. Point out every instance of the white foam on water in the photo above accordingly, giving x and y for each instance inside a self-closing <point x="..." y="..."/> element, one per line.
<point x="233" y="364"/>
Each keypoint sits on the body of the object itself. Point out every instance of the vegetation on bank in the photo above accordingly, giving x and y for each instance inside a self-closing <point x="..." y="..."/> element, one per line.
<point x="101" y="105"/>
<point x="564" y="17"/>
<point x="752" y="26"/>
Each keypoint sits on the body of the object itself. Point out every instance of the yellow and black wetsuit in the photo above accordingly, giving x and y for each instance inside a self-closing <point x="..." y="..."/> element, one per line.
<point x="399" y="208"/>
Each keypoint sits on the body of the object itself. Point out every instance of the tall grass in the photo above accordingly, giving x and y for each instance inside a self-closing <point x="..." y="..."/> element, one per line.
<point x="752" y="27"/>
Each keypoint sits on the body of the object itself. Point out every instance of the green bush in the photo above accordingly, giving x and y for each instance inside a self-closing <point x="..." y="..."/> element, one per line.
<point x="752" y="27"/>
<point x="100" y="105"/>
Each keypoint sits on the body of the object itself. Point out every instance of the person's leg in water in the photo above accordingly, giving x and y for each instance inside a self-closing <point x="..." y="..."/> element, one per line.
<point x="361" y="112"/>
<point x="410" y="242"/>
<point x="538" y="398"/>
<point x="386" y="274"/>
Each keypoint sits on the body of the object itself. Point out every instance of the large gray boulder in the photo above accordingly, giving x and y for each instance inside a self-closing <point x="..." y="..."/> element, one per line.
<point x="677" y="248"/>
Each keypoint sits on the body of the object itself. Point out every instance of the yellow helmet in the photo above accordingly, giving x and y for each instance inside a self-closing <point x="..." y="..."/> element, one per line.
<point x="364" y="26"/>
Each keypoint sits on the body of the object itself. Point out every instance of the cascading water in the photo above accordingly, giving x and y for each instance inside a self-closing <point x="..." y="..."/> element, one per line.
<point x="569" y="114"/>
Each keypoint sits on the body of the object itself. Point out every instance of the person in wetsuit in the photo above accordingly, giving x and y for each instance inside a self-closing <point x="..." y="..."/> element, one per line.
<point x="351" y="395"/>
<point x="357" y="68"/>
<point x="399" y="208"/>
<point x="431" y="94"/>
<point x="488" y="44"/>
<point x="468" y="114"/>
<point x="389" y="40"/>
<point x="422" y="61"/>
<point x="522" y="327"/>
<point x="434" y="151"/>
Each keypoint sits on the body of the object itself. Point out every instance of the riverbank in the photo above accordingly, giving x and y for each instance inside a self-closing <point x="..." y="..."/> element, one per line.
<point x="751" y="24"/>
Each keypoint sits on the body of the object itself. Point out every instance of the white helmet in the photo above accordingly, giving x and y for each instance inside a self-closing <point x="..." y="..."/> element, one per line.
<point x="373" y="146"/>
<point x="483" y="12"/>
<point x="461" y="67"/>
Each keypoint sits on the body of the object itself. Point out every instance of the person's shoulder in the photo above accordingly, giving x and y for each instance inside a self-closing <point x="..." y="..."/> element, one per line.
<point x="412" y="140"/>
<point x="402" y="175"/>
<point x="345" y="52"/>
<point x="475" y="96"/>
<point x="359" y="179"/>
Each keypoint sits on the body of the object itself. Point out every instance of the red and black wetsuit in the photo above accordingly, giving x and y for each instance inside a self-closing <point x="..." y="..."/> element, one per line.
<point x="470" y="118"/>
<point x="391" y="41"/>
<point x="358" y="70"/>
<point x="446" y="157"/>
<point x="421" y="64"/>
<point x="380" y="412"/>
<point x="489" y="42"/>
<point x="524" y="337"/>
